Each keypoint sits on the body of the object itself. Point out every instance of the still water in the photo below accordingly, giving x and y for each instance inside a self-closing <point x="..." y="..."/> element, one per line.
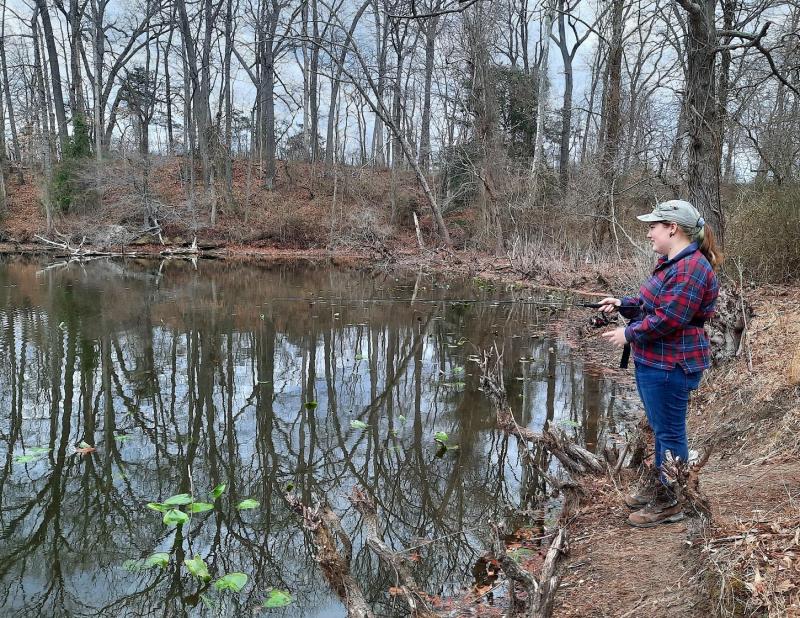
<point x="185" y="377"/>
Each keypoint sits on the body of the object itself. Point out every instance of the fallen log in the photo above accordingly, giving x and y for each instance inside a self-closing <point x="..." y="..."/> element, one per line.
<point x="325" y="527"/>
<point x="415" y="597"/>
<point x="573" y="457"/>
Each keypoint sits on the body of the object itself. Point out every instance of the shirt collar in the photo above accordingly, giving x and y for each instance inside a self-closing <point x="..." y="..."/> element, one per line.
<point x="663" y="261"/>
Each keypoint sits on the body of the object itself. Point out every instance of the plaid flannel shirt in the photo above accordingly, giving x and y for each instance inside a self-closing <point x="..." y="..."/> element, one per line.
<point x="666" y="318"/>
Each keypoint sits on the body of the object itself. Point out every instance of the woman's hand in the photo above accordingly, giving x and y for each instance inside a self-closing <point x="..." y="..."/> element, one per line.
<point x="610" y="304"/>
<point x="616" y="336"/>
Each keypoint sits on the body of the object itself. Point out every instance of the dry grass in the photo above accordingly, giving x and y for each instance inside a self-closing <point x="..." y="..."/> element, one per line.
<point x="750" y="410"/>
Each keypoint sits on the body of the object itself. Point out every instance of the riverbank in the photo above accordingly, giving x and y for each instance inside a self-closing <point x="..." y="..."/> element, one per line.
<point x="746" y="560"/>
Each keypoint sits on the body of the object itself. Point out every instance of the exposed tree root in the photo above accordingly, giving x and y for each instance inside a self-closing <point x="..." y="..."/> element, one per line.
<point x="685" y="482"/>
<point x="540" y="591"/>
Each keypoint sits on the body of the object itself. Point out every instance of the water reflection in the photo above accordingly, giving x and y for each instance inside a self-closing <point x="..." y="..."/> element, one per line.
<point x="184" y="379"/>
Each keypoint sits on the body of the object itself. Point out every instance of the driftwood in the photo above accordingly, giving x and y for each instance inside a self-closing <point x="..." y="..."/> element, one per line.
<point x="573" y="457"/>
<point x="325" y="528"/>
<point x="191" y="250"/>
<point x="541" y="590"/>
<point x="415" y="597"/>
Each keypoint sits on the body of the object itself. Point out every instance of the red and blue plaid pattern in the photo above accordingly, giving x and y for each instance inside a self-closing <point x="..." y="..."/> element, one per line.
<point x="666" y="318"/>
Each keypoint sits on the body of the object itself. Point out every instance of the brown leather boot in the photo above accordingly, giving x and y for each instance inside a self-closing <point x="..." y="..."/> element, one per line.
<point x="644" y="492"/>
<point x="662" y="509"/>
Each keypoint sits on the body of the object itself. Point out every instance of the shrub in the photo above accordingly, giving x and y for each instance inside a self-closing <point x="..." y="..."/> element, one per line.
<point x="763" y="231"/>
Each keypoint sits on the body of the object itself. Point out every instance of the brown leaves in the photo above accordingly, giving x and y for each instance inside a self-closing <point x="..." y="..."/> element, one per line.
<point x="765" y="556"/>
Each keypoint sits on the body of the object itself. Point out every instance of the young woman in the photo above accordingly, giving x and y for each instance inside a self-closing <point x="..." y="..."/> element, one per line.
<point x="670" y="347"/>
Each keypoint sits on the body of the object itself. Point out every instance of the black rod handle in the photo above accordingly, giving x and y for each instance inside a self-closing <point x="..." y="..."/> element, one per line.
<point x="626" y="354"/>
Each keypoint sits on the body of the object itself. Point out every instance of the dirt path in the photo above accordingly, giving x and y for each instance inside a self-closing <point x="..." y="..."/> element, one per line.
<point x="617" y="570"/>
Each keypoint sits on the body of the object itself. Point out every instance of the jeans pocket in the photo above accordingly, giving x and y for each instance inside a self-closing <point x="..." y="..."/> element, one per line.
<point x="693" y="379"/>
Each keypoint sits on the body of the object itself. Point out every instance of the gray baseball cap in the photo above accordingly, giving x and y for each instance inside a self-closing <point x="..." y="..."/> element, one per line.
<point x="678" y="211"/>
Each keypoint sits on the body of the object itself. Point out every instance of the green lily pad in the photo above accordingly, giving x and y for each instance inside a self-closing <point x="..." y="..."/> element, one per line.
<point x="278" y="598"/>
<point x="159" y="559"/>
<point x="231" y="581"/>
<point x="198" y="568"/>
<point x="178" y="500"/>
<point x="249" y="503"/>
<point x="199" y="507"/>
<point x="174" y="517"/>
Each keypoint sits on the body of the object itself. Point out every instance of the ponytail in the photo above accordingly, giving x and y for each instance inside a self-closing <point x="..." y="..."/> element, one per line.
<point x="708" y="246"/>
<point x="704" y="236"/>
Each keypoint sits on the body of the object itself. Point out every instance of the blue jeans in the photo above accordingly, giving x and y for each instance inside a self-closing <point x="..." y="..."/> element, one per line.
<point x="665" y="395"/>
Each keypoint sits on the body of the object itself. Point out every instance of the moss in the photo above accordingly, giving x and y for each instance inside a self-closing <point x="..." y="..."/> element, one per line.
<point x="64" y="188"/>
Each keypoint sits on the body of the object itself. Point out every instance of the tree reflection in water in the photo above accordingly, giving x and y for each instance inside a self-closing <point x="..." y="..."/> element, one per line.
<point x="184" y="379"/>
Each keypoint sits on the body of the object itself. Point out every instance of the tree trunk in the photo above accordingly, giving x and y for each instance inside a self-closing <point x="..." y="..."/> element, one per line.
<point x="77" y="101"/>
<point x="701" y="113"/>
<point x="381" y="42"/>
<point x="55" y="74"/>
<point x="44" y="132"/>
<point x="226" y="76"/>
<point x="430" y="26"/>
<point x="7" y="90"/>
<point x="306" y="82"/>
<point x="397" y="115"/>
<point x="728" y="17"/>
<point x="566" y="107"/>
<point x="98" y="51"/>
<point x="613" y="124"/>
<point x="541" y="104"/>
<point x="487" y="134"/>
<point x="268" y="112"/>
<point x="313" y="86"/>
<point x="168" y="92"/>
<point x="596" y="69"/>
<point x="335" y="84"/>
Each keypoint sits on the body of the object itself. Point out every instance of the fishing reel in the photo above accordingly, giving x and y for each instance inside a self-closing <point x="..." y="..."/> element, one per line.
<point x="600" y="320"/>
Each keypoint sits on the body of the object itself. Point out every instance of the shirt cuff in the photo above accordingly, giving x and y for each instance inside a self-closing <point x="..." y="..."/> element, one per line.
<point x="629" y="334"/>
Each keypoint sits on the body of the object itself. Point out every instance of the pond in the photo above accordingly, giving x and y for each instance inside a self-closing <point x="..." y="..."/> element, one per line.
<point x="124" y="383"/>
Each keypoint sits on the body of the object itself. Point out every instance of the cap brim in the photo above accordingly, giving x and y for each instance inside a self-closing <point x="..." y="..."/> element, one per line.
<point x="650" y="217"/>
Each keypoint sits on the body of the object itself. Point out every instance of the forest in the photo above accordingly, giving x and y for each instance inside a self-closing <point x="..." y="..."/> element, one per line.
<point x="485" y="116"/>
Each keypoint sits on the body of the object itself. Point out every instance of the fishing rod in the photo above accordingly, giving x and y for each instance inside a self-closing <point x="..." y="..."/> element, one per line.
<point x="428" y="301"/>
<point x="626" y="350"/>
